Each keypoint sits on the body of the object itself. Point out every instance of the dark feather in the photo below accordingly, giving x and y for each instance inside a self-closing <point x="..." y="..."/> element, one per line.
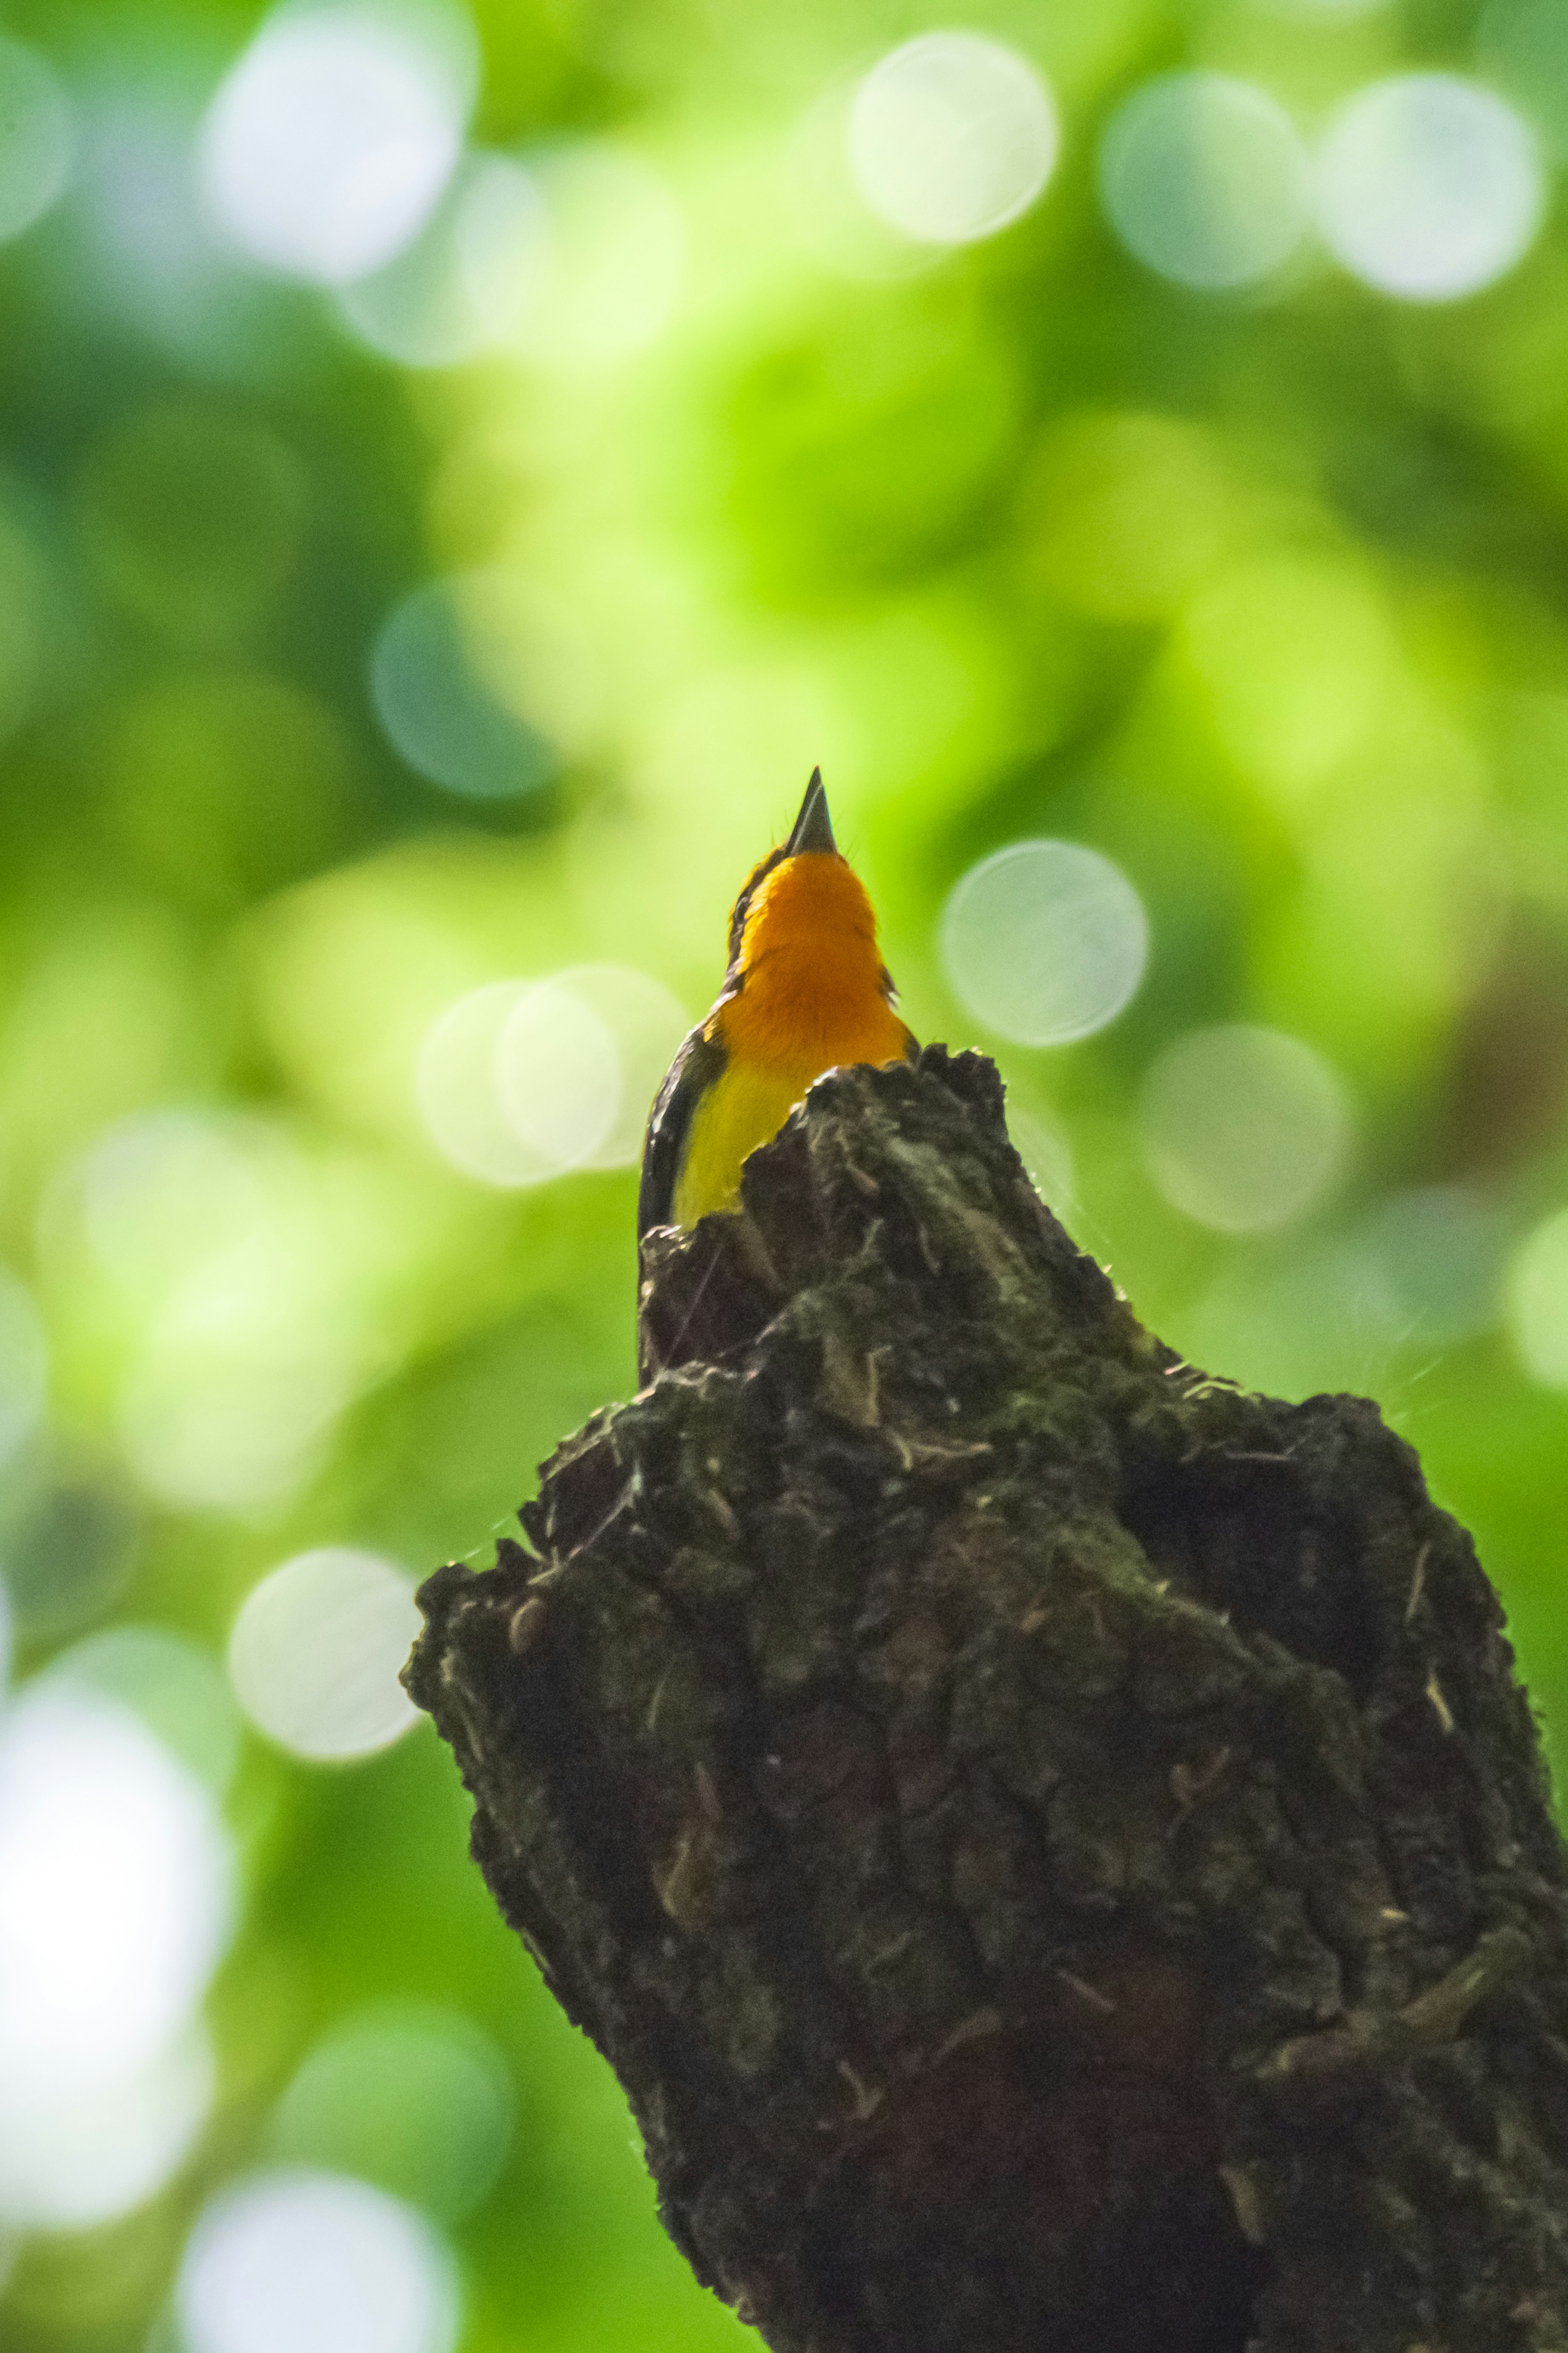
<point x="812" y="831"/>
<point x="742" y="907"/>
<point x="695" y="1069"/>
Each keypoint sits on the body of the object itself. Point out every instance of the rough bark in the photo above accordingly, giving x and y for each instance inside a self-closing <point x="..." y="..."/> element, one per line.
<point x="1051" y="1844"/>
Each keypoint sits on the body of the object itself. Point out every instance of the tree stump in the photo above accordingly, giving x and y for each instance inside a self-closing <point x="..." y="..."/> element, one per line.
<point x="1051" y="1844"/>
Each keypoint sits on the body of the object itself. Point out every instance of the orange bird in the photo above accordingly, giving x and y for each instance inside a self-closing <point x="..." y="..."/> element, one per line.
<point x="805" y="989"/>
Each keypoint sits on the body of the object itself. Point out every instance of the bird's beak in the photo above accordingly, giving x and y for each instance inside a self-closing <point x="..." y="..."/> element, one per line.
<point x="813" y="828"/>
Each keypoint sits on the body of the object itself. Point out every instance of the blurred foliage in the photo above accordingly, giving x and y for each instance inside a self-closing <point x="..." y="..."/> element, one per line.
<point x="1264" y="594"/>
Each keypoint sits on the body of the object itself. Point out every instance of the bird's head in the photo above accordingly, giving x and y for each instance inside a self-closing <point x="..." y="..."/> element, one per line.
<point x="803" y="899"/>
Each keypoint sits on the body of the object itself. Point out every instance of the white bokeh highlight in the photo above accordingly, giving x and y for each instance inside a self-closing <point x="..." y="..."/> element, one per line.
<point x="558" y="1077"/>
<point x="1242" y="1128"/>
<point x="304" y="2262"/>
<point x="331" y="140"/>
<point x="316" y="1650"/>
<point x="105" y="2077"/>
<point x="76" y="2157"/>
<point x="437" y="303"/>
<point x="491" y="1054"/>
<point x="1045" y="942"/>
<point x="645" y="1023"/>
<point x="1206" y="181"/>
<point x="458" y="1089"/>
<point x="37" y="138"/>
<point x="522" y="1081"/>
<point x="1429" y="187"/>
<point x="952" y="137"/>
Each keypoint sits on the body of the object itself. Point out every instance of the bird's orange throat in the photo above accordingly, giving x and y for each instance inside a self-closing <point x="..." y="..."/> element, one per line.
<point x="806" y="992"/>
<point x="814" y="990"/>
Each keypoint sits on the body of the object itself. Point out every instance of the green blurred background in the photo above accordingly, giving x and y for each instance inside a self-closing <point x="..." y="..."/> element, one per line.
<point x="458" y="471"/>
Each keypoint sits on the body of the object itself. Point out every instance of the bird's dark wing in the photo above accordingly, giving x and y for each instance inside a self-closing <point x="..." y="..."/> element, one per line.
<point x="696" y="1067"/>
<point x="912" y="1043"/>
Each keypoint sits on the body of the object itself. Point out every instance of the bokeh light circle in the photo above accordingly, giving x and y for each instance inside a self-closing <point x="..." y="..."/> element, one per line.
<point x="162" y="1189"/>
<point x="80" y="2155"/>
<point x="331" y="138"/>
<point x="557" y="1076"/>
<point x="67" y="1544"/>
<point x="104" y="2079"/>
<point x="521" y="1080"/>
<point x="517" y="1082"/>
<point x="1429" y="187"/>
<point x="411" y="2097"/>
<point x="174" y="1685"/>
<point x="98" y="1820"/>
<point x="458" y="1093"/>
<point x="1206" y="179"/>
<point x="1045" y="942"/>
<point x="1537" y="1301"/>
<point x="432" y="306"/>
<point x="646" y="1023"/>
<point x="37" y="138"/>
<point x="305" y="2262"/>
<point x="1242" y="1128"/>
<point x="503" y="248"/>
<point x="1433" y="1258"/>
<point x="578" y="263"/>
<point x="316" y="1650"/>
<point x="952" y="136"/>
<point x="235" y="1276"/>
<point x="432" y="699"/>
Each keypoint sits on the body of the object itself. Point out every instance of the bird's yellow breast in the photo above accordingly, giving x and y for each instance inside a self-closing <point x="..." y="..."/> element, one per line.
<point x="757" y="1091"/>
<point x="810" y="995"/>
<point x="748" y="1103"/>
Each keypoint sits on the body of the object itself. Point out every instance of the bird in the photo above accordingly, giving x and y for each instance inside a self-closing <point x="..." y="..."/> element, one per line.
<point x="804" y="991"/>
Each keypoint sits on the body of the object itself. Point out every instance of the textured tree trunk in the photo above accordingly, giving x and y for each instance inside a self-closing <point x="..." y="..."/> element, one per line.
<point x="1051" y="1844"/>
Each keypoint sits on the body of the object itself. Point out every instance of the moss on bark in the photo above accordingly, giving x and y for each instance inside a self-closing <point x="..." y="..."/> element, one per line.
<point x="1051" y="1844"/>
